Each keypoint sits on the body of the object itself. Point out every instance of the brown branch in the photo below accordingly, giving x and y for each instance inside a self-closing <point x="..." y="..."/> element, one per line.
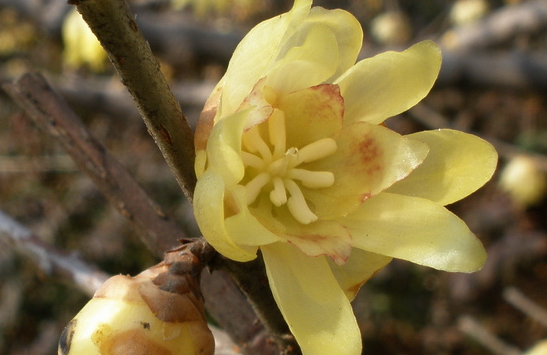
<point x="52" y="262"/>
<point x="115" y="27"/>
<point x="51" y="113"/>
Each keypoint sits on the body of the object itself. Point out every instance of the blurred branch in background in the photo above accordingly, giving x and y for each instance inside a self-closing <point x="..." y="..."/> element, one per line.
<point x="499" y="26"/>
<point x="55" y="263"/>
<point x="52" y="114"/>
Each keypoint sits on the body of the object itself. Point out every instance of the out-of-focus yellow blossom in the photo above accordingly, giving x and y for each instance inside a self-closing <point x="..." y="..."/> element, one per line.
<point x="205" y="7"/>
<point x="81" y="46"/>
<point x="467" y="11"/>
<point x="392" y="27"/>
<point x="292" y="159"/>
<point x="523" y="180"/>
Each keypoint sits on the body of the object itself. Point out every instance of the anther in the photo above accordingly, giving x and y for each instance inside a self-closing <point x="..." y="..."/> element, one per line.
<point x="317" y="150"/>
<point x="297" y="204"/>
<point x="254" y="186"/>
<point x="312" y="179"/>
<point x="278" y="195"/>
<point x="252" y="140"/>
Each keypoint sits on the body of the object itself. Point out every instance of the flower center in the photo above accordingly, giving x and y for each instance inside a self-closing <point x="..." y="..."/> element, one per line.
<point x="277" y="168"/>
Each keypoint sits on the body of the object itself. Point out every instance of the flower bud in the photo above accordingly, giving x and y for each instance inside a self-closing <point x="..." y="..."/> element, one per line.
<point x="158" y="312"/>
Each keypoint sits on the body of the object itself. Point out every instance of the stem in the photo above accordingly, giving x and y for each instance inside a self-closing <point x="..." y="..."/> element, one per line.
<point x="114" y="25"/>
<point x="251" y="278"/>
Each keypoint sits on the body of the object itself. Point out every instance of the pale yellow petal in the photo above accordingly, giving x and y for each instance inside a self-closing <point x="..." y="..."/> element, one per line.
<point x="243" y="227"/>
<point x="307" y="64"/>
<point x="389" y="83"/>
<point x="328" y="238"/>
<point x="456" y="166"/>
<point x="209" y="213"/>
<point x="255" y="53"/>
<point x="357" y="270"/>
<point x="224" y="146"/>
<point x="417" y="230"/>
<point x="313" y="304"/>
<point x="369" y="159"/>
<point x="348" y="32"/>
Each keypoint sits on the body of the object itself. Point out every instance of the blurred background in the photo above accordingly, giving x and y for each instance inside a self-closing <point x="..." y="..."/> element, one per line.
<point x="493" y="83"/>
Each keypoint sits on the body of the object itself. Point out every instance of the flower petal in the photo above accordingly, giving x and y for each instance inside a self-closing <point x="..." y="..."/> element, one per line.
<point x="348" y="32"/>
<point x="307" y="64"/>
<point x="456" y="166"/>
<point x="369" y="159"/>
<point x="209" y="213"/>
<point x="315" y="308"/>
<point x="417" y="230"/>
<point x="327" y="238"/>
<point x="255" y="53"/>
<point x="243" y="227"/>
<point x="312" y="114"/>
<point x="224" y="144"/>
<point x="389" y="83"/>
<point x="357" y="270"/>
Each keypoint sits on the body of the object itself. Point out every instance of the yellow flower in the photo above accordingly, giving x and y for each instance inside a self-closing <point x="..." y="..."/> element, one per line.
<point x="81" y="45"/>
<point x="293" y="159"/>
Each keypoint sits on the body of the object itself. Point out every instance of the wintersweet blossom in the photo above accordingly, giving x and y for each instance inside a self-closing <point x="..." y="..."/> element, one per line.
<point x="293" y="159"/>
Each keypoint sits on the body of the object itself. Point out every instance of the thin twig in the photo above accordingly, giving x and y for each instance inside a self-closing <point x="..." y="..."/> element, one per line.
<point x="475" y="330"/>
<point x="114" y="25"/>
<point x="51" y="261"/>
<point x="518" y="300"/>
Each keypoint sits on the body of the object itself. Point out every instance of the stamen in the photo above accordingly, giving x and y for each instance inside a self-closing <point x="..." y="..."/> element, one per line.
<point x="254" y="186"/>
<point x="252" y="161"/>
<point x="278" y="195"/>
<point x="276" y="128"/>
<point x="252" y="140"/>
<point x="278" y="167"/>
<point x="297" y="204"/>
<point x="312" y="179"/>
<point x="317" y="150"/>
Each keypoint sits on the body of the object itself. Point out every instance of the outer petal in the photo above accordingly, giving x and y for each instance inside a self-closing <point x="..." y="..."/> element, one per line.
<point x="368" y="160"/>
<point x="255" y="53"/>
<point x="389" y="83"/>
<point x="345" y="29"/>
<point x="417" y="230"/>
<point x="358" y="269"/>
<point x="348" y="32"/>
<point x="307" y="64"/>
<point x="209" y="212"/>
<point x="316" y="309"/>
<point x="456" y="166"/>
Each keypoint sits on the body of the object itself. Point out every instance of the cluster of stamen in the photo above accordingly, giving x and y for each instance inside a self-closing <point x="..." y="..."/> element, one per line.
<point x="276" y="167"/>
